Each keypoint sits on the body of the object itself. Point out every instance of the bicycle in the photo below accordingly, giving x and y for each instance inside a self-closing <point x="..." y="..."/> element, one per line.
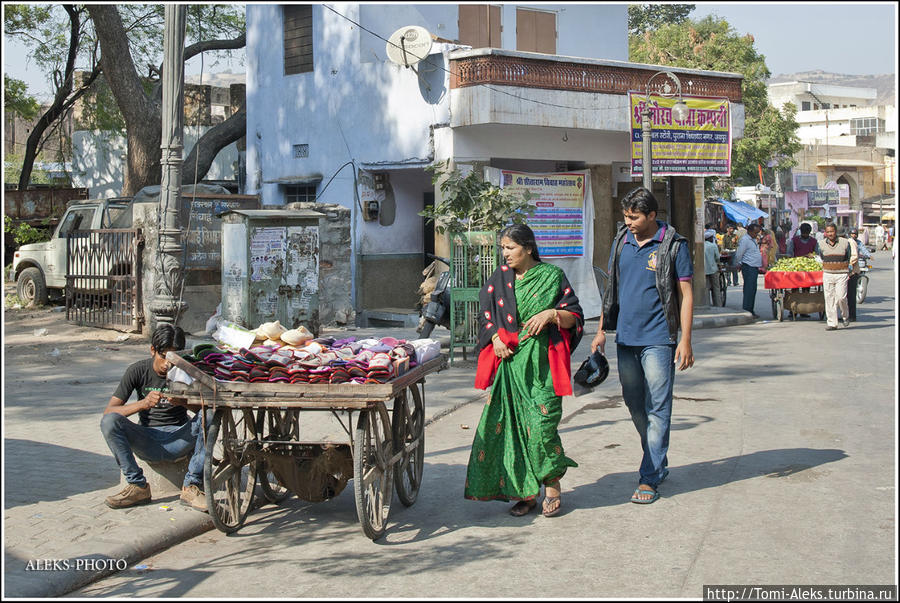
<point x="719" y="292"/>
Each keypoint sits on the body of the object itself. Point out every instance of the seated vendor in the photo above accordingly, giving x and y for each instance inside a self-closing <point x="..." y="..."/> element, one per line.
<point x="164" y="431"/>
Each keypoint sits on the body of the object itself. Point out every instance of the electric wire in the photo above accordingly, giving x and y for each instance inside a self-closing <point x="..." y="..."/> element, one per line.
<point x="487" y="86"/>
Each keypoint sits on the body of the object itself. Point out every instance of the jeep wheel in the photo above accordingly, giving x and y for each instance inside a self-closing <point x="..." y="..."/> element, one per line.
<point x="31" y="288"/>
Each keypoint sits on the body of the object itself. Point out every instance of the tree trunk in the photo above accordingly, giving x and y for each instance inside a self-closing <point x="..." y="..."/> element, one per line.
<point x="142" y="115"/>
<point x="57" y="109"/>
<point x="209" y="145"/>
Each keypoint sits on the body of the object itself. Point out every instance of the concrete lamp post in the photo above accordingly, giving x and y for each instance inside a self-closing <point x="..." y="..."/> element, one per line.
<point x="679" y="112"/>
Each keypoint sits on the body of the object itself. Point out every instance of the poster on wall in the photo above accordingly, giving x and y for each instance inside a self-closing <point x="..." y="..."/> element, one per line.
<point x="558" y="220"/>
<point x="698" y="146"/>
<point x="267" y="250"/>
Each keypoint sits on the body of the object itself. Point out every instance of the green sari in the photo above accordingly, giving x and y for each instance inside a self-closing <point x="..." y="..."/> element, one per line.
<point x="517" y="446"/>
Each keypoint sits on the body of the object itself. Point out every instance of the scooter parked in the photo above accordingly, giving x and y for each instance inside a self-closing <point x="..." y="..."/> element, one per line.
<point x="437" y="310"/>
<point x="862" y="285"/>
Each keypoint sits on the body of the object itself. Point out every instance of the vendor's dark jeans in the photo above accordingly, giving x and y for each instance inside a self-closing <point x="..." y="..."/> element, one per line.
<point x="127" y="439"/>
<point x="750" y="275"/>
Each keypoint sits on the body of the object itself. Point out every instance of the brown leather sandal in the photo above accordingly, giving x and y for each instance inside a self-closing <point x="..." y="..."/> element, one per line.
<point x="548" y="502"/>
<point x="523" y="507"/>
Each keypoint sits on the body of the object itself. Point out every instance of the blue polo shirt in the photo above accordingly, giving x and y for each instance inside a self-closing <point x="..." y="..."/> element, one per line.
<point x="642" y="319"/>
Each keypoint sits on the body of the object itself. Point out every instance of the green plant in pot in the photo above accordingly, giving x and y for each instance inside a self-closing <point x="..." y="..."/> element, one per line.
<point x="474" y="211"/>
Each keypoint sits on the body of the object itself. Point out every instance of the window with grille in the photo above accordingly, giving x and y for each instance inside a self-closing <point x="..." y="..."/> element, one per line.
<point x="866" y="126"/>
<point x="298" y="39"/>
<point x="805" y="105"/>
<point x="294" y="193"/>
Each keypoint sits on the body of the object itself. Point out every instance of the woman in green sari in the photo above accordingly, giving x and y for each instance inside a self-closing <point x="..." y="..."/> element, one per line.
<point x="530" y="322"/>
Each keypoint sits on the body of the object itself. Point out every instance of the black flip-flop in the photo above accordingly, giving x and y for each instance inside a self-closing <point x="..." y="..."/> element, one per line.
<point x="523" y="507"/>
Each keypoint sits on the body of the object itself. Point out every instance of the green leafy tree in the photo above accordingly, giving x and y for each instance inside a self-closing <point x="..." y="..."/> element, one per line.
<point x="469" y="203"/>
<point x="647" y="17"/>
<point x="712" y="44"/>
<point x="124" y="43"/>
<point x="16" y="100"/>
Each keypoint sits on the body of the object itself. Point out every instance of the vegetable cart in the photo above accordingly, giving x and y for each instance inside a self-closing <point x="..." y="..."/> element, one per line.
<point x="255" y="435"/>
<point x="783" y="285"/>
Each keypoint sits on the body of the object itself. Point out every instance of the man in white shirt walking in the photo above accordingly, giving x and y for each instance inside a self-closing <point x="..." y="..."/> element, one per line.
<point x="749" y="259"/>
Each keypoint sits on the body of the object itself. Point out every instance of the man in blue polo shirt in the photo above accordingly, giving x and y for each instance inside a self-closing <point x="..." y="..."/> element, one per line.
<point x="649" y="297"/>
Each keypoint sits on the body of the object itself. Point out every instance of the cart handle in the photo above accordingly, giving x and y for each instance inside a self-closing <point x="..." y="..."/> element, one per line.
<point x="191" y="370"/>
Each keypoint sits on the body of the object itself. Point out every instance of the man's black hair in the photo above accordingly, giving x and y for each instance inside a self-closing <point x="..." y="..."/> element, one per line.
<point x="805" y="228"/>
<point x="642" y="200"/>
<point x="521" y="234"/>
<point x="167" y="337"/>
<point x="753" y="226"/>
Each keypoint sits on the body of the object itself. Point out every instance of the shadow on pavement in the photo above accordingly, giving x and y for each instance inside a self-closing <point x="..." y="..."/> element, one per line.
<point x="73" y="472"/>
<point x="616" y="488"/>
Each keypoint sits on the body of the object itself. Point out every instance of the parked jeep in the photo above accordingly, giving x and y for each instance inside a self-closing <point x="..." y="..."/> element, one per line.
<point x="40" y="268"/>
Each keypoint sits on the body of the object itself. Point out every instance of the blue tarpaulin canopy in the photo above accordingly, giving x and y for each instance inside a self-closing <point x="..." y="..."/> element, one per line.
<point x="740" y="212"/>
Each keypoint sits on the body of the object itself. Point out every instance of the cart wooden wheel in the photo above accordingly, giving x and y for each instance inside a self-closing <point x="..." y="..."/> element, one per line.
<point x="278" y="425"/>
<point x="372" y="471"/>
<point x="230" y="467"/>
<point x="409" y="442"/>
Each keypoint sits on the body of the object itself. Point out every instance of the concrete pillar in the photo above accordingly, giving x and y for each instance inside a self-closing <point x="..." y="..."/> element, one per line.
<point x="606" y="213"/>
<point x="701" y="293"/>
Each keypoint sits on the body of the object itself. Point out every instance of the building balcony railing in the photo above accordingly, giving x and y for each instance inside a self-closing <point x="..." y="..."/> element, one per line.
<point x="492" y="66"/>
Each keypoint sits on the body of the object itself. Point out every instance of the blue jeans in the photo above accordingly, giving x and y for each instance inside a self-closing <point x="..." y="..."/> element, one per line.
<point x="750" y="274"/>
<point x="647" y="374"/>
<point x="126" y="439"/>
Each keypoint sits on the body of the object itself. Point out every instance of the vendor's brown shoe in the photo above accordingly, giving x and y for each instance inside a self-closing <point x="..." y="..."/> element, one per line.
<point x="194" y="497"/>
<point x="130" y="496"/>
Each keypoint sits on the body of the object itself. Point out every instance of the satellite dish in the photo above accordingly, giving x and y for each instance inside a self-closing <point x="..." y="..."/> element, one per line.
<point x="409" y="45"/>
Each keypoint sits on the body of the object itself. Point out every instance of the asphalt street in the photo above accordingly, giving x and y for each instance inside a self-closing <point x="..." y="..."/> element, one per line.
<point x="783" y="463"/>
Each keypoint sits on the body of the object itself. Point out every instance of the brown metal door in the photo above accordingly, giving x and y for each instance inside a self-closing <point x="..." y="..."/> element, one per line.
<point x="103" y="278"/>
<point x="479" y="25"/>
<point x="535" y="31"/>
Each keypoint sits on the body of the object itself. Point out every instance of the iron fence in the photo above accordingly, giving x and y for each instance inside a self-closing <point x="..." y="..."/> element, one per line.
<point x="103" y="278"/>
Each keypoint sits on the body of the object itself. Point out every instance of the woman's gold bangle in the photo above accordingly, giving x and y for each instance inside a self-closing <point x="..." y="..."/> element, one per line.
<point x="495" y="336"/>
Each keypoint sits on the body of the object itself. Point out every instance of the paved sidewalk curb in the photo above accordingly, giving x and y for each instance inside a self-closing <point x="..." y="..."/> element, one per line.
<point x="729" y="319"/>
<point x="67" y="581"/>
<point x="454" y="408"/>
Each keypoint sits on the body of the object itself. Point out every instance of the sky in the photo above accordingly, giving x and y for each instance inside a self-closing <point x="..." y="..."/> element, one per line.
<point x="858" y="38"/>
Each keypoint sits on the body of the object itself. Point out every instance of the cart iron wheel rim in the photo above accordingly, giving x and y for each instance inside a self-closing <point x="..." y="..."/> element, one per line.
<point x="281" y="425"/>
<point x="409" y="443"/>
<point x="372" y="471"/>
<point x="230" y="467"/>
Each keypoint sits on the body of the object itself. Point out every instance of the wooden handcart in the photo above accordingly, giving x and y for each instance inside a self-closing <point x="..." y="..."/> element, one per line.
<point x="255" y="435"/>
<point x="783" y="285"/>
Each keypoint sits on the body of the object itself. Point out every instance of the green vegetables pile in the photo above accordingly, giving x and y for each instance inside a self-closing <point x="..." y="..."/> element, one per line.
<point x="801" y="264"/>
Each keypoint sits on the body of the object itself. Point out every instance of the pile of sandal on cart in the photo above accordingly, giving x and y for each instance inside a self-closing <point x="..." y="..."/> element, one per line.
<point x="295" y="356"/>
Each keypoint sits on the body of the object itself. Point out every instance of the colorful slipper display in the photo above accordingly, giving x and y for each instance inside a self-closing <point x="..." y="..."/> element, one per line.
<point x="298" y="358"/>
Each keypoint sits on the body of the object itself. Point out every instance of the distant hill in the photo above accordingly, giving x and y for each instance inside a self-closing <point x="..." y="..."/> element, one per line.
<point x="883" y="83"/>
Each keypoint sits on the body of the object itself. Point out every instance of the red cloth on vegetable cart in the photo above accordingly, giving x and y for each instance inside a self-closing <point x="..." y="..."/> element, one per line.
<point x="792" y="280"/>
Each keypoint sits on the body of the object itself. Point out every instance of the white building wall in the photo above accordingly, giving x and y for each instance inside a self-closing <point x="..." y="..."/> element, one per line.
<point x="585" y="30"/>
<point x="369" y="112"/>
<point x="99" y="160"/>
